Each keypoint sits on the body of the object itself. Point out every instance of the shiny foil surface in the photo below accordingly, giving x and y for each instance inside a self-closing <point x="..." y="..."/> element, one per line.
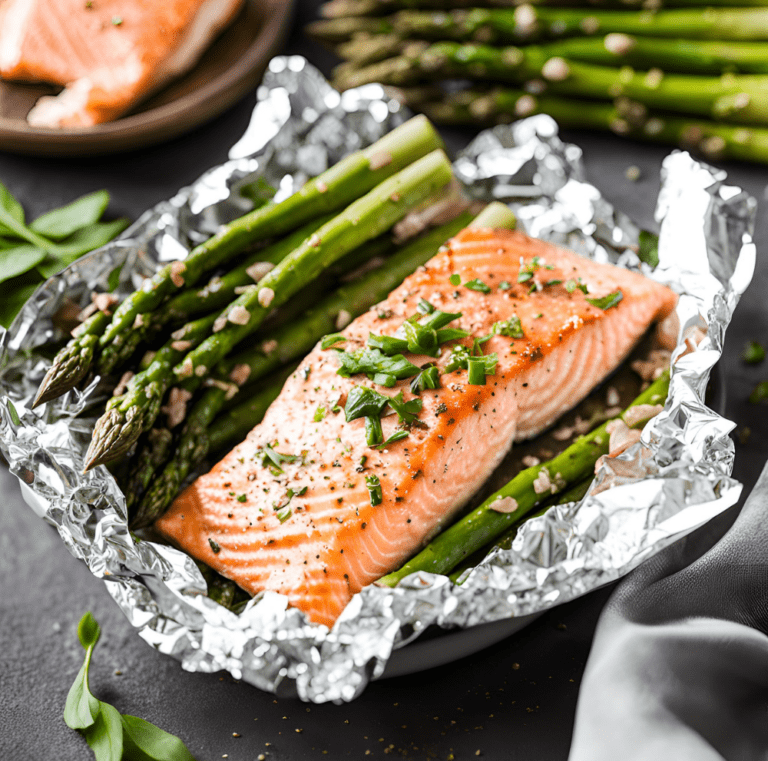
<point x="676" y="479"/>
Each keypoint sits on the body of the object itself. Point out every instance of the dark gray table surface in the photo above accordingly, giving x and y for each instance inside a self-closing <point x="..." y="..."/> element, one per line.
<point x="515" y="700"/>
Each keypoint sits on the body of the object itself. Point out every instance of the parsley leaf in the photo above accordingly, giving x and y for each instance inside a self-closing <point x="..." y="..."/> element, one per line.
<point x="607" y="301"/>
<point x="477" y="285"/>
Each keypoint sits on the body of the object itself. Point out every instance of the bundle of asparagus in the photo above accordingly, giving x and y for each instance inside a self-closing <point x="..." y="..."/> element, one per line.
<point x="691" y="76"/>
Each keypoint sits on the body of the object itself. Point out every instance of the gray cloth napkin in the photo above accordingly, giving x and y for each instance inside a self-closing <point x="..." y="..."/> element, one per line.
<point x="679" y="665"/>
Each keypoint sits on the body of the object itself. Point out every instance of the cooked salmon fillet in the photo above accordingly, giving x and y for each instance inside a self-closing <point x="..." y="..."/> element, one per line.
<point x="321" y="546"/>
<point x="108" y="54"/>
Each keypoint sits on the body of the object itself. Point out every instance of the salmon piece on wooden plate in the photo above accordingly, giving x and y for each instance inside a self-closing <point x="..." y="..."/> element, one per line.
<point x="305" y="507"/>
<point x="108" y="54"/>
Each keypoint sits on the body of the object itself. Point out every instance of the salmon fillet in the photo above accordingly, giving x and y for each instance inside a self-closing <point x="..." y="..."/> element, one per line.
<point x="321" y="546"/>
<point x="108" y="54"/>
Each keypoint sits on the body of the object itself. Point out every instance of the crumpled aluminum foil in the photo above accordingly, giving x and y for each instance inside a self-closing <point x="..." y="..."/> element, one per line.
<point x="677" y="478"/>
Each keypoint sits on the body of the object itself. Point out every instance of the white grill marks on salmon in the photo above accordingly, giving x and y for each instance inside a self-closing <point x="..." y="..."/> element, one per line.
<point x="260" y="528"/>
<point x="108" y="54"/>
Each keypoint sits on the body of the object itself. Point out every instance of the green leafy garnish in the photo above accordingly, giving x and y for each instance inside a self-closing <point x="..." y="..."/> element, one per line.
<point x="284" y="514"/>
<point x="753" y="353"/>
<point x="109" y="734"/>
<point x="458" y="359"/>
<point x="364" y="402"/>
<point x="276" y="459"/>
<point x="388" y="344"/>
<point x="372" y="361"/>
<point x="373" y="432"/>
<point x="572" y="285"/>
<point x="407" y="412"/>
<point x="527" y="270"/>
<point x="477" y="285"/>
<point x="215" y="547"/>
<point x="30" y="253"/>
<point x="648" y="248"/>
<point x="331" y="339"/>
<point x="455" y="280"/>
<point x="505" y="285"/>
<point x="429" y="377"/>
<point x="476" y="371"/>
<point x="511" y="328"/>
<point x="396" y="436"/>
<point x="374" y="489"/>
<point x="424" y="307"/>
<point x="319" y="414"/>
<point x="607" y="301"/>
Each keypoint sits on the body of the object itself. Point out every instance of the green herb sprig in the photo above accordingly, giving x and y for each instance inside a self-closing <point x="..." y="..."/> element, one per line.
<point x="111" y="735"/>
<point x="31" y="253"/>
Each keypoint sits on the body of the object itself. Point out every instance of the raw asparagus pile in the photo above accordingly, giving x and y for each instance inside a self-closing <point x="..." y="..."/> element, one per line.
<point x="683" y="74"/>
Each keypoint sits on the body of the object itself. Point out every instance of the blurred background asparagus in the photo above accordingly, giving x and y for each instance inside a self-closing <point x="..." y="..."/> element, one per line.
<point x="684" y="74"/>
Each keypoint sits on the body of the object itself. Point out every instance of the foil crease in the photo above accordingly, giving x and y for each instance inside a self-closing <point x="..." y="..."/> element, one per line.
<point x="673" y="481"/>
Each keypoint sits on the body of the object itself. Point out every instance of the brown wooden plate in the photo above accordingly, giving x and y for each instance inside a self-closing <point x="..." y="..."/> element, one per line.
<point x="228" y="70"/>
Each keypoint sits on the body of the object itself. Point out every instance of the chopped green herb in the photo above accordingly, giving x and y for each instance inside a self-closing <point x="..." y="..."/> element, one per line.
<point x="505" y="285"/>
<point x="476" y="371"/>
<point x="527" y="270"/>
<point x="319" y="414"/>
<point x="455" y="280"/>
<point x="553" y="282"/>
<point x="477" y="285"/>
<point x="364" y="402"/>
<point x="458" y="359"/>
<point x="284" y="514"/>
<point x="753" y="353"/>
<point x="648" y="248"/>
<point x="429" y="377"/>
<point x="277" y="458"/>
<point x="117" y="20"/>
<point x="760" y="393"/>
<point x="214" y="546"/>
<point x="406" y="411"/>
<point x="424" y="307"/>
<point x="421" y="339"/>
<point x="388" y="344"/>
<point x="242" y="497"/>
<point x="572" y="285"/>
<point x="396" y="436"/>
<point x="373" y="432"/>
<point x="372" y="361"/>
<point x="439" y="319"/>
<point x="374" y="489"/>
<point x="607" y="301"/>
<point x="511" y="328"/>
<point x="331" y="339"/>
<point x="450" y="334"/>
<point x="384" y="379"/>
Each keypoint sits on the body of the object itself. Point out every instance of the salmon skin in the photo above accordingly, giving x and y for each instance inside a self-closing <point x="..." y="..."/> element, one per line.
<point x="108" y="54"/>
<point x="290" y="509"/>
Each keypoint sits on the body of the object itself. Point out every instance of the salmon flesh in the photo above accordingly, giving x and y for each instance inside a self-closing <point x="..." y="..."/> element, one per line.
<point x="107" y="54"/>
<point x="291" y="508"/>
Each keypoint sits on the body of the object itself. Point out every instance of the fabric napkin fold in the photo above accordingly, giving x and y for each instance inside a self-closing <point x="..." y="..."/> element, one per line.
<point x="679" y="665"/>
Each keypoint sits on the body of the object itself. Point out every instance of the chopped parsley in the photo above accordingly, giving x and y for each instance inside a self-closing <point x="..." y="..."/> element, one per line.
<point x="406" y="411"/>
<point x="396" y="436"/>
<point x="607" y="301"/>
<point x="505" y="285"/>
<point x="511" y="328"/>
<point x="429" y="377"/>
<point x="319" y="414"/>
<point x="242" y="497"/>
<point x="284" y="514"/>
<point x="455" y="280"/>
<point x="477" y="285"/>
<point x="276" y="459"/>
<point x="374" y="489"/>
<point x="364" y="402"/>
<point x="372" y="361"/>
<point x="527" y="270"/>
<point x="572" y="285"/>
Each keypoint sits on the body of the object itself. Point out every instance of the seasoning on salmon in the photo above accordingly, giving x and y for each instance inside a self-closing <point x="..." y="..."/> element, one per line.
<point x="108" y="54"/>
<point x="307" y="508"/>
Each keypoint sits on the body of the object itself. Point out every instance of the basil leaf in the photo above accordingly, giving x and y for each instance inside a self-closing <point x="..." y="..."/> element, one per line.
<point x="146" y="742"/>
<point x="477" y="285"/>
<point x="607" y="301"/>
<point x="364" y="402"/>
<point x="88" y="238"/>
<point x="396" y="436"/>
<point x="511" y="328"/>
<point x="648" y="248"/>
<point x="384" y="379"/>
<point x="61" y="223"/>
<point x="18" y="293"/>
<point x="105" y="735"/>
<point x="19" y="259"/>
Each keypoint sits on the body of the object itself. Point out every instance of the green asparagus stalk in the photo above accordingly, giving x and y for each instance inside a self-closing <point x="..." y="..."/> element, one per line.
<point x="742" y="98"/>
<point x="192" y="302"/>
<point x="156" y="449"/>
<point x="526" y="23"/>
<point x="341" y="8"/>
<point x="332" y="190"/>
<point x="504" y="542"/>
<point x="71" y="364"/>
<point x="290" y="343"/>
<point x="195" y="442"/>
<point x="340" y="29"/>
<point x="484" y="524"/>
<point x="129" y="415"/>
<point x="366" y="218"/>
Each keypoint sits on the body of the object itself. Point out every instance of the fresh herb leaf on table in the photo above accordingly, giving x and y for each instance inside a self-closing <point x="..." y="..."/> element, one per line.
<point x="111" y="735"/>
<point x="30" y="253"/>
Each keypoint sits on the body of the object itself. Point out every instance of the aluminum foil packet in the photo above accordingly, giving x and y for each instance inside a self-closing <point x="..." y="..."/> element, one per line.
<point x="673" y="481"/>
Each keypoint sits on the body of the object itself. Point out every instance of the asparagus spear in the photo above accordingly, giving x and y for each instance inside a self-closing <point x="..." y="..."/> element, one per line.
<point x="289" y="343"/>
<point x="216" y="294"/>
<point x="156" y="449"/>
<point x="333" y="189"/>
<point x="484" y="523"/>
<point x="136" y="411"/>
<point x="341" y="8"/>
<point x="340" y="29"/>
<point x="71" y="364"/>
<point x="527" y="23"/>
